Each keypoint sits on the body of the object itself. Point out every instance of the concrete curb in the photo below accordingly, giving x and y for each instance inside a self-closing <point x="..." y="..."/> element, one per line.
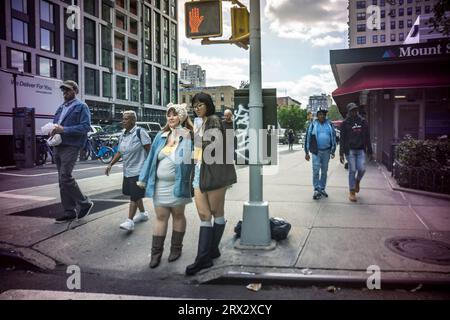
<point x="25" y="256"/>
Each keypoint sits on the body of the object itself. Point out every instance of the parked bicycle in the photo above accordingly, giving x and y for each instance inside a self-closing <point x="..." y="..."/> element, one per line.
<point x="98" y="148"/>
<point x="43" y="151"/>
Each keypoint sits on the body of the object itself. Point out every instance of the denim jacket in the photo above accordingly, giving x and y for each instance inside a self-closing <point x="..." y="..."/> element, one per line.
<point x="76" y="123"/>
<point x="311" y="139"/>
<point x="183" y="165"/>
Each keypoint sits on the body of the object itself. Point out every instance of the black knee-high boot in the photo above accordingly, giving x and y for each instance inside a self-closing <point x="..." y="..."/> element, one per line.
<point x="203" y="259"/>
<point x="217" y="236"/>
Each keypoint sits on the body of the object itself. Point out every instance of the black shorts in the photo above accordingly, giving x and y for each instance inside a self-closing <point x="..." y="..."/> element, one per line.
<point x="130" y="188"/>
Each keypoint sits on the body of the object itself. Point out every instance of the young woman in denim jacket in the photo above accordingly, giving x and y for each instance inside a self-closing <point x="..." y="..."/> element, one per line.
<point x="166" y="177"/>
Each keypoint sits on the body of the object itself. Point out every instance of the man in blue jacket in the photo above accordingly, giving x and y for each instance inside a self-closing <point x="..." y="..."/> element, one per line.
<point x="72" y="121"/>
<point x="320" y="140"/>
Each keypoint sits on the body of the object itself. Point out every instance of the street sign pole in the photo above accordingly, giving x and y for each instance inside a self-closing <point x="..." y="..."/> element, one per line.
<point x="255" y="222"/>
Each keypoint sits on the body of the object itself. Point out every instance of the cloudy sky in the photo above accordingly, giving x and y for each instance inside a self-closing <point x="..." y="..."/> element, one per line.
<point x="296" y="38"/>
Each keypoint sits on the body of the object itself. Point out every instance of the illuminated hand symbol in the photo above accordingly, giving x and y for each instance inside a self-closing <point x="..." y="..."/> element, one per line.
<point x="195" y="20"/>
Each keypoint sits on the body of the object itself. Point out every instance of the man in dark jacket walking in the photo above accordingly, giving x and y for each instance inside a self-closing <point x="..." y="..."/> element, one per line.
<point x="355" y="144"/>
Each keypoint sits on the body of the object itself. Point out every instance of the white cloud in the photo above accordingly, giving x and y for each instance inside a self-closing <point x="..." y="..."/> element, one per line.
<point x="308" y="85"/>
<point x="327" y="40"/>
<point x="219" y="71"/>
<point x="317" y="21"/>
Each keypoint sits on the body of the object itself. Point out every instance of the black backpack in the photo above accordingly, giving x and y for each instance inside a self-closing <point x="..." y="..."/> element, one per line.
<point x="279" y="228"/>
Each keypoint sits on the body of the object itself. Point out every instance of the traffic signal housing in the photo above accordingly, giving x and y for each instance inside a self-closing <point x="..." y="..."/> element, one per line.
<point x="203" y="19"/>
<point x="240" y="26"/>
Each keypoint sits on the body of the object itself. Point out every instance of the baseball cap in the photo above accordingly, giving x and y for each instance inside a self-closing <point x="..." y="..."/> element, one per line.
<point x="322" y="109"/>
<point x="351" y="106"/>
<point x="69" y="84"/>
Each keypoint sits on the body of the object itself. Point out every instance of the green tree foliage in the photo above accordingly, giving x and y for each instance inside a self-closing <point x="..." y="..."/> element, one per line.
<point x="334" y="114"/>
<point x="292" y="117"/>
<point x="441" y="20"/>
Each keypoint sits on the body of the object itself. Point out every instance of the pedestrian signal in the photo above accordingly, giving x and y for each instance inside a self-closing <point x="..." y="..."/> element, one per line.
<point x="203" y="19"/>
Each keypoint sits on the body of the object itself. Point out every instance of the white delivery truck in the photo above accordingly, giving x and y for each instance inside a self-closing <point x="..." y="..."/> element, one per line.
<point x="42" y="94"/>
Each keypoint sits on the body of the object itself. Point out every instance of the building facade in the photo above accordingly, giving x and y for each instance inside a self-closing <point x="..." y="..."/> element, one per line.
<point x="287" y="101"/>
<point x="315" y="102"/>
<point x="222" y="96"/>
<point x="401" y="90"/>
<point x="122" y="53"/>
<point x="397" y="17"/>
<point x="193" y="74"/>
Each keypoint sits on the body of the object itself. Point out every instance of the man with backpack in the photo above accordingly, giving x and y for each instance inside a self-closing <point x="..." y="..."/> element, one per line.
<point x="320" y="140"/>
<point x="134" y="144"/>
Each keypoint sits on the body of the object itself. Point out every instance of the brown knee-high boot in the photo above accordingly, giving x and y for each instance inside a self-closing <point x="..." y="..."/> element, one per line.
<point x="176" y="246"/>
<point x="157" y="250"/>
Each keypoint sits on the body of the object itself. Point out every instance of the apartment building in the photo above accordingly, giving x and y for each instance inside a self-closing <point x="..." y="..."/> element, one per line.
<point x="193" y="74"/>
<point x="123" y="53"/>
<point x="222" y="96"/>
<point x="397" y="17"/>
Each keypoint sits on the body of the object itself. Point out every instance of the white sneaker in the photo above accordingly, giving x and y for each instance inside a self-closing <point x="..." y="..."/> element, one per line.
<point x="140" y="217"/>
<point x="127" y="225"/>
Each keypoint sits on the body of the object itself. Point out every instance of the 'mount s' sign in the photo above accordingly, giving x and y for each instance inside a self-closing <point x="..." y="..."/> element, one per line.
<point x="437" y="49"/>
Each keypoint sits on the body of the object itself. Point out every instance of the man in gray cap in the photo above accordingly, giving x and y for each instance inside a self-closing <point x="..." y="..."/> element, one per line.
<point x="72" y="121"/>
<point x="355" y="144"/>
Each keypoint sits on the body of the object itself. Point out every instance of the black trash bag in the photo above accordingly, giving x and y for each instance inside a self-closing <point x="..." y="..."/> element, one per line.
<point x="279" y="228"/>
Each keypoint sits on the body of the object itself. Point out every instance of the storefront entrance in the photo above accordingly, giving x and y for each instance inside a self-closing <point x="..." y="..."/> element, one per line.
<point x="408" y="120"/>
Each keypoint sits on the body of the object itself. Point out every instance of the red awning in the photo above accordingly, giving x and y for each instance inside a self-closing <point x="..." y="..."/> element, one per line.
<point x="398" y="76"/>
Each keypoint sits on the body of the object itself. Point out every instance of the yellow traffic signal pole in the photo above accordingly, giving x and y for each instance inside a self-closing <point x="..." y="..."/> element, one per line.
<point x="255" y="231"/>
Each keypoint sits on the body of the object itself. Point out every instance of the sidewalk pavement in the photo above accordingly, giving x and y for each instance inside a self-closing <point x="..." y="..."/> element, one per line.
<point x="331" y="241"/>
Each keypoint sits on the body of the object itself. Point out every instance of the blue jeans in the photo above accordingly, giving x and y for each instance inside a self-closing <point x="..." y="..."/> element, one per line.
<point x="356" y="166"/>
<point x="320" y="169"/>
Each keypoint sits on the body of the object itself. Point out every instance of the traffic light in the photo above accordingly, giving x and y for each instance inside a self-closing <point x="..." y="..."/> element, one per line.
<point x="203" y="19"/>
<point x="240" y="26"/>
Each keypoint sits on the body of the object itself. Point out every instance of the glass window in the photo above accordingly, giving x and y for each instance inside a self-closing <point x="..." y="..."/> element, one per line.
<point x="47" y="40"/>
<point x="107" y="85"/>
<point x="89" y="41"/>
<point x="361" y="16"/>
<point x="134" y="90"/>
<point x="427" y="9"/>
<point x="374" y="39"/>
<point x="19" y="5"/>
<point x="409" y="11"/>
<point x="157" y="97"/>
<point x="119" y="63"/>
<point x="173" y="9"/>
<point x="69" y="71"/>
<point x="360" y="4"/>
<point x="133" y="26"/>
<point x="173" y="47"/>
<point x="166" y="90"/>
<point x="70" y="47"/>
<point x="133" y="7"/>
<point x="106" y="58"/>
<point x="19" y="31"/>
<point x="46" y="67"/>
<point x="401" y="36"/>
<point x="409" y="23"/>
<point x="47" y="10"/>
<point x="382" y="38"/>
<point x="392" y="24"/>
<point x="121" y="21"/>
<point x="132" y="67"/>
<point x="361" y="40"/>
<point x="401" y="12"/>
<point x="121" y="88"/>
<point x="19" y="60"/>
<point x="401" y="24"/>
<point x="361" y="27"/>
<point x="157" y="39"/>
<point x="90" y="6"/>
<point x="392" y="36"/>
<point x="106" y="12"/>
<point x="91" y="81"/>
<point x="147" y="87"/>
<point x="418" y="10"/>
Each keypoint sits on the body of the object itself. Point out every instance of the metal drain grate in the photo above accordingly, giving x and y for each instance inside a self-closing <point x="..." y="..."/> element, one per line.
<point x="420" y="249"/>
